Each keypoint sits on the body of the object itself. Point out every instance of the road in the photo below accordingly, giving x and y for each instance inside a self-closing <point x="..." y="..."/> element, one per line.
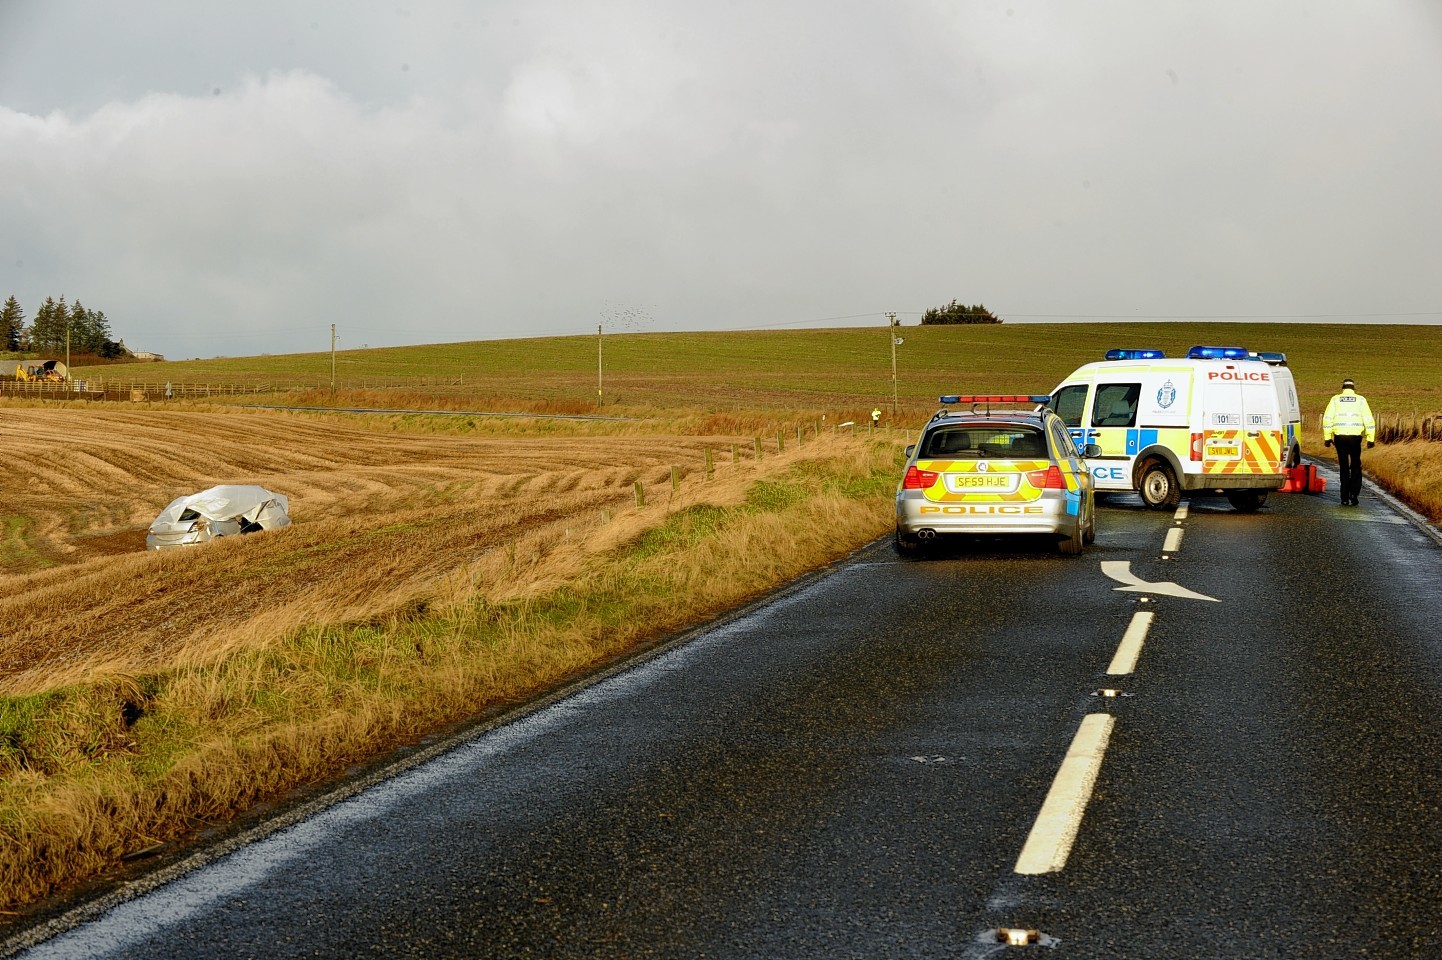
<point x="862" y="768"/>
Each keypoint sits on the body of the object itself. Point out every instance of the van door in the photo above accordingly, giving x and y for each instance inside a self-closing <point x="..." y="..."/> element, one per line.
<point x="1242" y="435"/>
<point x="1112" y="414"/>
<point x="1265" y="429"/>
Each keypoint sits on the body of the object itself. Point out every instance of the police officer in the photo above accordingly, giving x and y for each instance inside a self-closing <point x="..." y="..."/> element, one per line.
<point x="1348" y="417"/>
<point x="875" y="417"/>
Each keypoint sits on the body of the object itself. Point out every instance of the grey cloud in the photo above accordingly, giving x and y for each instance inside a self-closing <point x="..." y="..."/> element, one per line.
<point x="728" y="165"/>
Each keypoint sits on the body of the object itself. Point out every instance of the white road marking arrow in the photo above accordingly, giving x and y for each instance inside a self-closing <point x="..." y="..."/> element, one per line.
<point x="1121" y="572"/>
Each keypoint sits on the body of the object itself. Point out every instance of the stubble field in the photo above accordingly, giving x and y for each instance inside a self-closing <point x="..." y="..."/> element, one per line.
<point x="381" y="517"/>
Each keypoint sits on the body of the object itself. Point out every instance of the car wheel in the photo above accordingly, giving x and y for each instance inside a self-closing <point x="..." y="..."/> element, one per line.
<point x="1159" y="487"/>
<point x="1090" y="534"/>
<point x="1072" y="546"/>
<point x="908" y="548"/>
<point x="1246" y="501"/>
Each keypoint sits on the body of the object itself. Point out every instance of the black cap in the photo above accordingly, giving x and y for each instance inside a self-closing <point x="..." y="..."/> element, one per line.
<point x="1348" y="383"/>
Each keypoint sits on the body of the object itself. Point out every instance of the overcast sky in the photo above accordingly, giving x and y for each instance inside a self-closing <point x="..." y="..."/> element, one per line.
<point x="231" y="178"/>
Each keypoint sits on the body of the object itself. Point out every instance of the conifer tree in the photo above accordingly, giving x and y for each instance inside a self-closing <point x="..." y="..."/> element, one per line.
<point x="12" y="324"/>
<point x="45" y="327"/>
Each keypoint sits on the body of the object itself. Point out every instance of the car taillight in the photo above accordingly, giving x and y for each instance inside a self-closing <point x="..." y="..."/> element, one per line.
<point x="1048" y="479"/>
<point x="918" y="479"/>
<point x="1197" y="445"/>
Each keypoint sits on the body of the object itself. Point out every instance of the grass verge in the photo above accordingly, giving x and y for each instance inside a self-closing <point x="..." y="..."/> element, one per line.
<point x="101" y="769"/>
<point x="1412" y="472"/>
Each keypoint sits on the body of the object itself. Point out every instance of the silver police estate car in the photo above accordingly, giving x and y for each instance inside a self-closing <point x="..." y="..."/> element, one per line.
<point x="1002" y="465"/>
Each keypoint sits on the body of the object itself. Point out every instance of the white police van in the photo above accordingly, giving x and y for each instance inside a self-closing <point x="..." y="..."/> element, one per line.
<point x="1287" y="400"/>
<point x="1209" y="422"/>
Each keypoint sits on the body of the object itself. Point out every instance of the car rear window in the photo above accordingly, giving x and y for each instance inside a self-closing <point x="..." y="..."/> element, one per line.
<point x="1003" y="441"/>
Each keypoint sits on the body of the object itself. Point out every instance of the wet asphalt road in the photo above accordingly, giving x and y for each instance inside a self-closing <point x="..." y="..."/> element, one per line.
<point x="853" y="769"/>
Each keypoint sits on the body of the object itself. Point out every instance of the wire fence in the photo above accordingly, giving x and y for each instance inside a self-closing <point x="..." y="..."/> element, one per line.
<point x="1390" y="429"/>
<point x="139" y="391"/>
<point x="1416" y="426"/>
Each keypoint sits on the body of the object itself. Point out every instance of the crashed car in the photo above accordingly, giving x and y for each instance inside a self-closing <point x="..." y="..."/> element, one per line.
<point x="222" y="511"/>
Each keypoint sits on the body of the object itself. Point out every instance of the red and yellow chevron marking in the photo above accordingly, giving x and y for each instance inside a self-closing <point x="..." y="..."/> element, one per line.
<point x="938" y="493"/>
<point x="1259" y="454"/>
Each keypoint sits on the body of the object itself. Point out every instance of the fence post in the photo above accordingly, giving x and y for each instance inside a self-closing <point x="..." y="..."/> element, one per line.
<point x="675" y="478"/>
<point x="780" y="443"/>
<point x="708" y="463"/>
<point x="640" y="494"/>
<point x="735" y="456"/>
<point x="798" y="435"/>
<point x="757" y="441"/>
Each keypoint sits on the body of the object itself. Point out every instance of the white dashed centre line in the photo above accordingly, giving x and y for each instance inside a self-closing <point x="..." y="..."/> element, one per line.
<point x="1181" y="513"/>
<point x="1049" y="843"/>
<point x="1125" y="660"/>
<point x="1173" y="542"/>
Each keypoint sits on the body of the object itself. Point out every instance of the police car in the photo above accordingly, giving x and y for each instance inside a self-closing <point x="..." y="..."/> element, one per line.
<point x="1001" y="465"/>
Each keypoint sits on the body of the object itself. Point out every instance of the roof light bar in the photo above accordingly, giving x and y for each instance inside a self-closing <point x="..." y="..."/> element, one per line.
<point x="994" y="398"/>
<point x="1217" y="353"/>
<point x="1268" y="356"/>
<point x="1134" y="354"/>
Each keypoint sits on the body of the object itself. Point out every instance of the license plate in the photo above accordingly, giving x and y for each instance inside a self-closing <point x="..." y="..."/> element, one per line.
<point x="980" y="481"/>
<point x="1225" y="451"/>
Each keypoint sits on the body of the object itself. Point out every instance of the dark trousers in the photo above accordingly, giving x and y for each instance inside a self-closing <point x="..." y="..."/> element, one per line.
<point x="1349" y="462"/>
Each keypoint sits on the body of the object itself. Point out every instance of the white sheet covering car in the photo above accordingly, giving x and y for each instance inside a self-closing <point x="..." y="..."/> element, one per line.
<point x="222" y="511"/>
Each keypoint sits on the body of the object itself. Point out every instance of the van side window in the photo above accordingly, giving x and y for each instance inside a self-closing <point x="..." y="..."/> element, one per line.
<point x="1116" y="404"/>
<point x="1069" y="402"/>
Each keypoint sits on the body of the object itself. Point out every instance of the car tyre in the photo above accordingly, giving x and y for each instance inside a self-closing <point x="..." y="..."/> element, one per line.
<point x="1246" y="501"/>
<point x="1072" y="546"/>
<point x="1159" y="488"/>
<point x="907" y="548"/>
<point x="1090" y="534"/>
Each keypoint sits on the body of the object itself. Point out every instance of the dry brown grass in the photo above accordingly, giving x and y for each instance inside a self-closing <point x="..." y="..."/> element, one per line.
<point x="1411" y="470"/>
<point x="427" y="578"/>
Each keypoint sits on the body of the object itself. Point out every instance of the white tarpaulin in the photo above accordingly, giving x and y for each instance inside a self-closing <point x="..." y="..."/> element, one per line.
<point x="218" y="512"/>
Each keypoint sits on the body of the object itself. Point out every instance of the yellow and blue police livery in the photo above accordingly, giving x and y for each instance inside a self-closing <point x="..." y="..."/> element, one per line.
<point x="1221" y="420"/>
<point x="995" y="469"/>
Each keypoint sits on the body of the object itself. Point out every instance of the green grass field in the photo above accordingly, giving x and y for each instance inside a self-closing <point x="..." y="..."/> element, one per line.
<point x="843" y="371"/>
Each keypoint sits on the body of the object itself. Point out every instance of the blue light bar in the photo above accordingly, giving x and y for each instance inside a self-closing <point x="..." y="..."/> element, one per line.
<point x="993" y="398"/>
<point x="1217" y="353"/>
<point x="1275" y="359"/>
<point x="1129" y="354"/>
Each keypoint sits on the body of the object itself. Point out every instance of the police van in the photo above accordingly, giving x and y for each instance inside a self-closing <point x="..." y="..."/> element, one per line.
<point x="1287" y="400"/>
<point x="1210" y="422"/>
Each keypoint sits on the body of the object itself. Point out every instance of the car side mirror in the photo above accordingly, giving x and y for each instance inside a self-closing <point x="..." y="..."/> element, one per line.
<point x="1092" y="450"/>
<point x="910" y="449"/>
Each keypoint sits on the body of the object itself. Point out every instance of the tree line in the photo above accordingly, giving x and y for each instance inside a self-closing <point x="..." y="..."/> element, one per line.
<point x="959" y="313"/>
<point x="88" y="330"/>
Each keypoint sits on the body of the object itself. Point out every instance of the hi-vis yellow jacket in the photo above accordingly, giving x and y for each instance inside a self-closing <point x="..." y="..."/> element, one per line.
<point x="1348" y="415"/>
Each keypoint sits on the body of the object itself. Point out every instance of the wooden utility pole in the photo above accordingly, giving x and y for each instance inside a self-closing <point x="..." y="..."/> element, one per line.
<point x="598" y="366"/>
<point x="891" y="328"/>
<point x="332" y="358"/>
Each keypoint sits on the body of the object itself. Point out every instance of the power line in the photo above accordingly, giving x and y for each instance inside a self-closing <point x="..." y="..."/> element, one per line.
<point x="1217" y="316"/>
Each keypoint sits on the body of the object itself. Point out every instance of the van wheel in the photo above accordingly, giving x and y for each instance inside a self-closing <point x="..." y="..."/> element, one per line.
<point x="1246" y="501"/>
<point x="1159" y="487"/>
